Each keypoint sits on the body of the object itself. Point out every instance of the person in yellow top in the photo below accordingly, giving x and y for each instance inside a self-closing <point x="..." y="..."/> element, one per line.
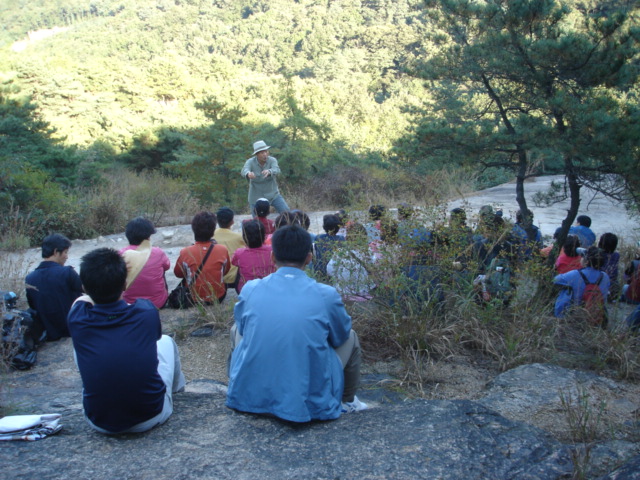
<point x="230" y="239"/>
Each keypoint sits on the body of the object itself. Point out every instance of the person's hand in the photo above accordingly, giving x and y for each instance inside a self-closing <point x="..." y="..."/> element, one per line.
<point x="251" y="175"/>
<point x="266" y="173"/>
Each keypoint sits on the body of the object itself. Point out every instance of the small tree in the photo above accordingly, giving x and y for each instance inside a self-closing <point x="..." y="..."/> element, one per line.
<point x="531" y="84"/>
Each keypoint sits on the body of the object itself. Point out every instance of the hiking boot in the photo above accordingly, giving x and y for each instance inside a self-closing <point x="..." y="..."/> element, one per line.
<point x="355" y="406"/>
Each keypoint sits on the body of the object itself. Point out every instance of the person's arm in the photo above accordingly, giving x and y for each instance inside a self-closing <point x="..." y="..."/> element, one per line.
<point x="273" y="167"/>
<point x="75" y="284"/>
<point x="177" y="269"/>
<point x="166" y="263"/>
<point x="339" y="319"/>
<point x="247" y="168"/>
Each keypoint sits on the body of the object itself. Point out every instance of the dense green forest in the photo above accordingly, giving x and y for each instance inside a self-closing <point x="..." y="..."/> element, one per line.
<point x="360" y="96"/>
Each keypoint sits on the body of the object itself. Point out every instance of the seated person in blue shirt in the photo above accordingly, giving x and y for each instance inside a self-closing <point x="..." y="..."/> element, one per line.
<point x="582" y="229"/>
<point x="574" y="281"/>
<point x="52" y="287"/>
<point x="294" y="353"/>
<point x="129" y="369"/>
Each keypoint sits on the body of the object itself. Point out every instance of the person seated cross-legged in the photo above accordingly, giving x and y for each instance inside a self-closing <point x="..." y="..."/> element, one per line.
<point x="294" y="353"/>
<point x="129" y="370"/>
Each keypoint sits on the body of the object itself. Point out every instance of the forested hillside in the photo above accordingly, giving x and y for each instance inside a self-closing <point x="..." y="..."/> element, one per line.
<point x="338" y="88"/>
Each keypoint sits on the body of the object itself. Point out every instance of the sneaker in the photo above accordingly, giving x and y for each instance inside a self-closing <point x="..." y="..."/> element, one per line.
<point x="355" y="406"/>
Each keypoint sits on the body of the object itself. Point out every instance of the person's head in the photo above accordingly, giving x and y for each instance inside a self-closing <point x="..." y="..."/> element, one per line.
<point x="594" y="257"/>
<point x="225" y="217"/>
<point x="570" y="246"/>
<point x="389" y="230"/>
<point x="584" y="220"/>
<point x="405" y="211"/>
<point x="608" y="242"/>
<point x="103" y="273"/>
<point x="301" y="218"/>
<point x="331" y="224"/>
<point x="376" y="212"/>
<point x="520" y="216"/>
<point x="56" y="248"/>
<point x="458" y="217"/>
<point x="262" y="207"/>
<point x="203" y="226"/>
<point x="138" y="230"/>
<point x="556" y="234"/>
<point x="342" y="215"/>
<point x="253" y="233"/>
<point x="261" y="150"/>
<point x="284" y="219"/>
<point x="291" y="246"/>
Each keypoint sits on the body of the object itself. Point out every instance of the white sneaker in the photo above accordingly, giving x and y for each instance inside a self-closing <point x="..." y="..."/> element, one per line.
<point x="355" y="406"/>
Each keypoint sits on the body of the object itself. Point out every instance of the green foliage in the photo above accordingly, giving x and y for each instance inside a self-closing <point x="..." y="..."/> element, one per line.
<point x="529" y="85"/>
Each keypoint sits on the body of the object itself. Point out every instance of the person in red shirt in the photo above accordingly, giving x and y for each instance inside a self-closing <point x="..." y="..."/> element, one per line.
<point x="569" y="258"/>
<point x="209" y="286"/>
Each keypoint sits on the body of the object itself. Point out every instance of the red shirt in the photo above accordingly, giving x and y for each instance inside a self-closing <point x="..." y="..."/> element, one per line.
<point x="209" y="285"/>
<point x="565" y="264"/>
<point x="253" y="263"/>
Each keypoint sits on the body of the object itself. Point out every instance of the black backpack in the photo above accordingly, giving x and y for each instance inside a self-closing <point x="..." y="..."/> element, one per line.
<point x="20" y="338"/>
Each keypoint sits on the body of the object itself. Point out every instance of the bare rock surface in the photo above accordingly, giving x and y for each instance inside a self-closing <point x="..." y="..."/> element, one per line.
<point x="204" y="440"/>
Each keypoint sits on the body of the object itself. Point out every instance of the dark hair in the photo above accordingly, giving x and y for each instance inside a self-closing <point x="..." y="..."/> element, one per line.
<point x="570" y="245"/>
<point x="291" y="244"/>
<point x="376" y="212"/>
<point x="203" y="226"/>
<point x="389" y="230"/>
<point x="262" y="207"/>
<point x="405" y="211"/>
<point x="225" y="217"/>
<point x="608" y="242"/>
<point x="556" y="234"/>
<point x="594" y="257"/>
<point x="342" y="215"/>
<point x="459" y="215"/>
<point x="253" y="233"/>
<point x="520" y="217"/>
<point x="331" y="223"/>
<point x="285" y="218"/>
<point x="301" y="218"/>
<point x="584" y="220"/>
<point x="54" y="243"/>
<point x="103" y="273"/>
<point x="138" y="230"/>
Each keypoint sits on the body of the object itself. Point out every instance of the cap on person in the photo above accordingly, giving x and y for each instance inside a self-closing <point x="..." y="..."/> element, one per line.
<point x="259" y="146"/>
<point x="262" y="207"/>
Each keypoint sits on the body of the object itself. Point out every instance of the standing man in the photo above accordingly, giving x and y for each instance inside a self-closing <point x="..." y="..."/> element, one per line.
<point x="261" y="171"/>
<point x="294" y="353"/>
<point x="52" y="287"/>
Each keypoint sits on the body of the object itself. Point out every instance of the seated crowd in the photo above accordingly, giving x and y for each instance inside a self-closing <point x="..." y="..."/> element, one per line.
<point x="294" y="353"/>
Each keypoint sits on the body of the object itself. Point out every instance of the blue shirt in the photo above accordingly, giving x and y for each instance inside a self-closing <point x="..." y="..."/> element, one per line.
<point x="575" y="286"/>
<point x="585" y="234"/>
<point x="285" y="364"/>
<point x="324" y="246"/>
<point x="51" y="289"/>
<point x="117" y="355"/>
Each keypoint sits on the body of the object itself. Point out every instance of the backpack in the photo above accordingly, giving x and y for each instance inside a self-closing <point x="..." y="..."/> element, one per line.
<point x="593" y="301"/>
<point x="20" y="338"/>
<point x="633" y="292"/>
<point x="498" y="279"/>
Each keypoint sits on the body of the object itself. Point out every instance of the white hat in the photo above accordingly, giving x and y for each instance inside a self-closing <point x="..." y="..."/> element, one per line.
<point x="260" y="146"/>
